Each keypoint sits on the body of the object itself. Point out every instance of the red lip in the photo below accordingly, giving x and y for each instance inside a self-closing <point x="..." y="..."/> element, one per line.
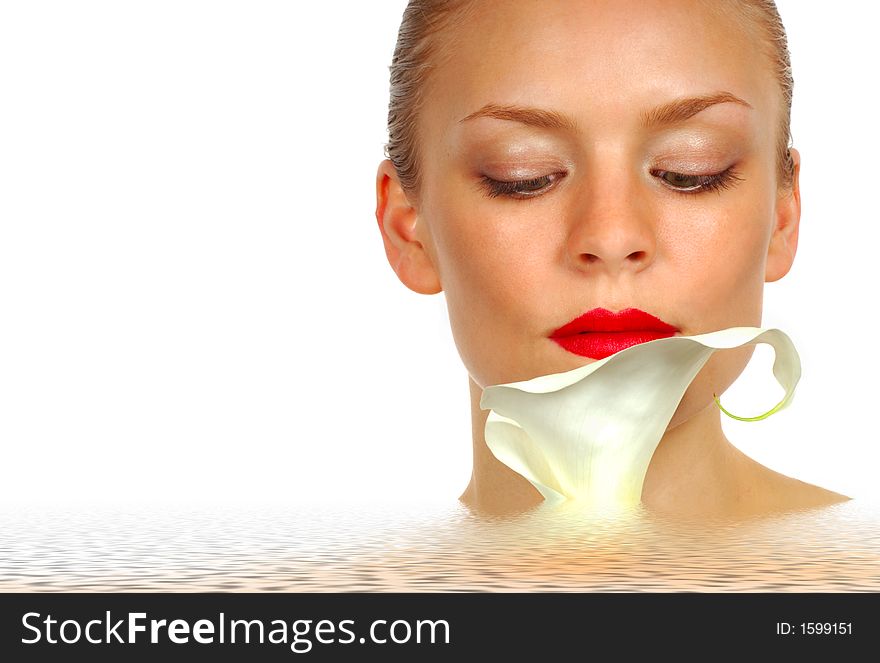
<point x="599" y="333"/>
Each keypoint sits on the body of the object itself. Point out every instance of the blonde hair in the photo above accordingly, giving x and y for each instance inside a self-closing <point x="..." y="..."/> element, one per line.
<point x="421" y="46"/>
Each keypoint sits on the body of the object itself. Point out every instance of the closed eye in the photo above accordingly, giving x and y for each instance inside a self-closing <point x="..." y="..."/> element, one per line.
<point x="680" y="182"/>
<point x="520" y="188"/>
<point x="690" y="184"/>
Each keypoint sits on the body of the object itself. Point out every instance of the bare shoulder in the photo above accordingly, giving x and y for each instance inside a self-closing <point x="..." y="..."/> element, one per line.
<point x="767" y="490"/>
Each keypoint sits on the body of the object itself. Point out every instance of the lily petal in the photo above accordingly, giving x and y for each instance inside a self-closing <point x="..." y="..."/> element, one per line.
<point x="590" y="433"/>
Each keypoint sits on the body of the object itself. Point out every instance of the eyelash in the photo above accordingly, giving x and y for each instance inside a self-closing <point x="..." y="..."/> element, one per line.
<point x="715" y="182"/>
<point x="706" y="183"/>
<point x="496" y="188"/>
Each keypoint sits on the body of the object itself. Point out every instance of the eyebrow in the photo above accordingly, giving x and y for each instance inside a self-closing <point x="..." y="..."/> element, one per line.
<point x="683" y="109"/>
<point x="533" y="117"/>
<point x="672" y="112"/>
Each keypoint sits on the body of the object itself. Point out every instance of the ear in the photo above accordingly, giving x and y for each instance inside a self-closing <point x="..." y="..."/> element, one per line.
<point x="402" y="234"/>
<point x="784" y="241"/>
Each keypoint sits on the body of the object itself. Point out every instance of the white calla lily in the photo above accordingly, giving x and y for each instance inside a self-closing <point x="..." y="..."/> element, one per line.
<point x="589" y="433"/>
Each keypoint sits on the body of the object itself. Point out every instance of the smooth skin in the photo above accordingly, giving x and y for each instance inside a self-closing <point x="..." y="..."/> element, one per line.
<point x="609" y="224"/>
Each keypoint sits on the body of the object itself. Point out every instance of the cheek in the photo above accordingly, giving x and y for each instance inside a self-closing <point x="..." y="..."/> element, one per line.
<point x="719" y="260"/>
<point x="493" y="262"/>
<point x="494" y="271"/>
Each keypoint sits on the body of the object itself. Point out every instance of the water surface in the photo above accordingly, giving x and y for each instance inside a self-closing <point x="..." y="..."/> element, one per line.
<point x="433" y="548"/>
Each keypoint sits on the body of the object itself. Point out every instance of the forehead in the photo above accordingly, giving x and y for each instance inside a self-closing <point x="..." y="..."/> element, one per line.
<point x="602" y="62"/>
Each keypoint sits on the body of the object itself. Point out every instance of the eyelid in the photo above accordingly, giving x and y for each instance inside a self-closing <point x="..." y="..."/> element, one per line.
<point x="507" y="188"/>
<point x="717" y="181"/>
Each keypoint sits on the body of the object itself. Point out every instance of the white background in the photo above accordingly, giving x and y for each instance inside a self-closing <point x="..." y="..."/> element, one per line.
<point x="194" y="298"/>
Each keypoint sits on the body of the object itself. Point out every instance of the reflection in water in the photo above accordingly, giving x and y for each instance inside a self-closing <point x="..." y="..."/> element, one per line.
<point x="431" y="548"/>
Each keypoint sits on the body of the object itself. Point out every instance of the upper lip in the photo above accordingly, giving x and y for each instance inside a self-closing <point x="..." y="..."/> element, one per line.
<point x="603" y="320"/>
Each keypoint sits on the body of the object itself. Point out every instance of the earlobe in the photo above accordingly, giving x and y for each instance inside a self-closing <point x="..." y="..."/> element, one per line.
<point x="398" y="223"/>
<point x="784" y="240"/>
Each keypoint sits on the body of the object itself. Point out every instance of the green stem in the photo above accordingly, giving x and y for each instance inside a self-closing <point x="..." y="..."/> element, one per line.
<point x="758" y="418"/>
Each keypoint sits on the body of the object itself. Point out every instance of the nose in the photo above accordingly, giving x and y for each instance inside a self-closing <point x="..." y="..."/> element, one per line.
<point x="611" y="229"/>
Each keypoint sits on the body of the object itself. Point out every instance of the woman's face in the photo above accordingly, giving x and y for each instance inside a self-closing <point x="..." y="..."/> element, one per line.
<point x="613" y="214"/>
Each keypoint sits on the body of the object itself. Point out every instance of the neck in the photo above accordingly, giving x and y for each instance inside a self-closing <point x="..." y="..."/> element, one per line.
<point x="693" y="470"/>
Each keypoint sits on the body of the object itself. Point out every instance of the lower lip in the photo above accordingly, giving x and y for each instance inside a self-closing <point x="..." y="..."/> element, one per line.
<point x="598" y="345"/>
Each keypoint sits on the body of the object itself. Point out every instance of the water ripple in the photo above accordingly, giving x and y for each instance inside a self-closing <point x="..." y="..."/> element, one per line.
<point x="434" y="549"/>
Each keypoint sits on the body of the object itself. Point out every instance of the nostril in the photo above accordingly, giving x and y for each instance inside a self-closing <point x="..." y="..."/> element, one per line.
<point x="637" y="257"/>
